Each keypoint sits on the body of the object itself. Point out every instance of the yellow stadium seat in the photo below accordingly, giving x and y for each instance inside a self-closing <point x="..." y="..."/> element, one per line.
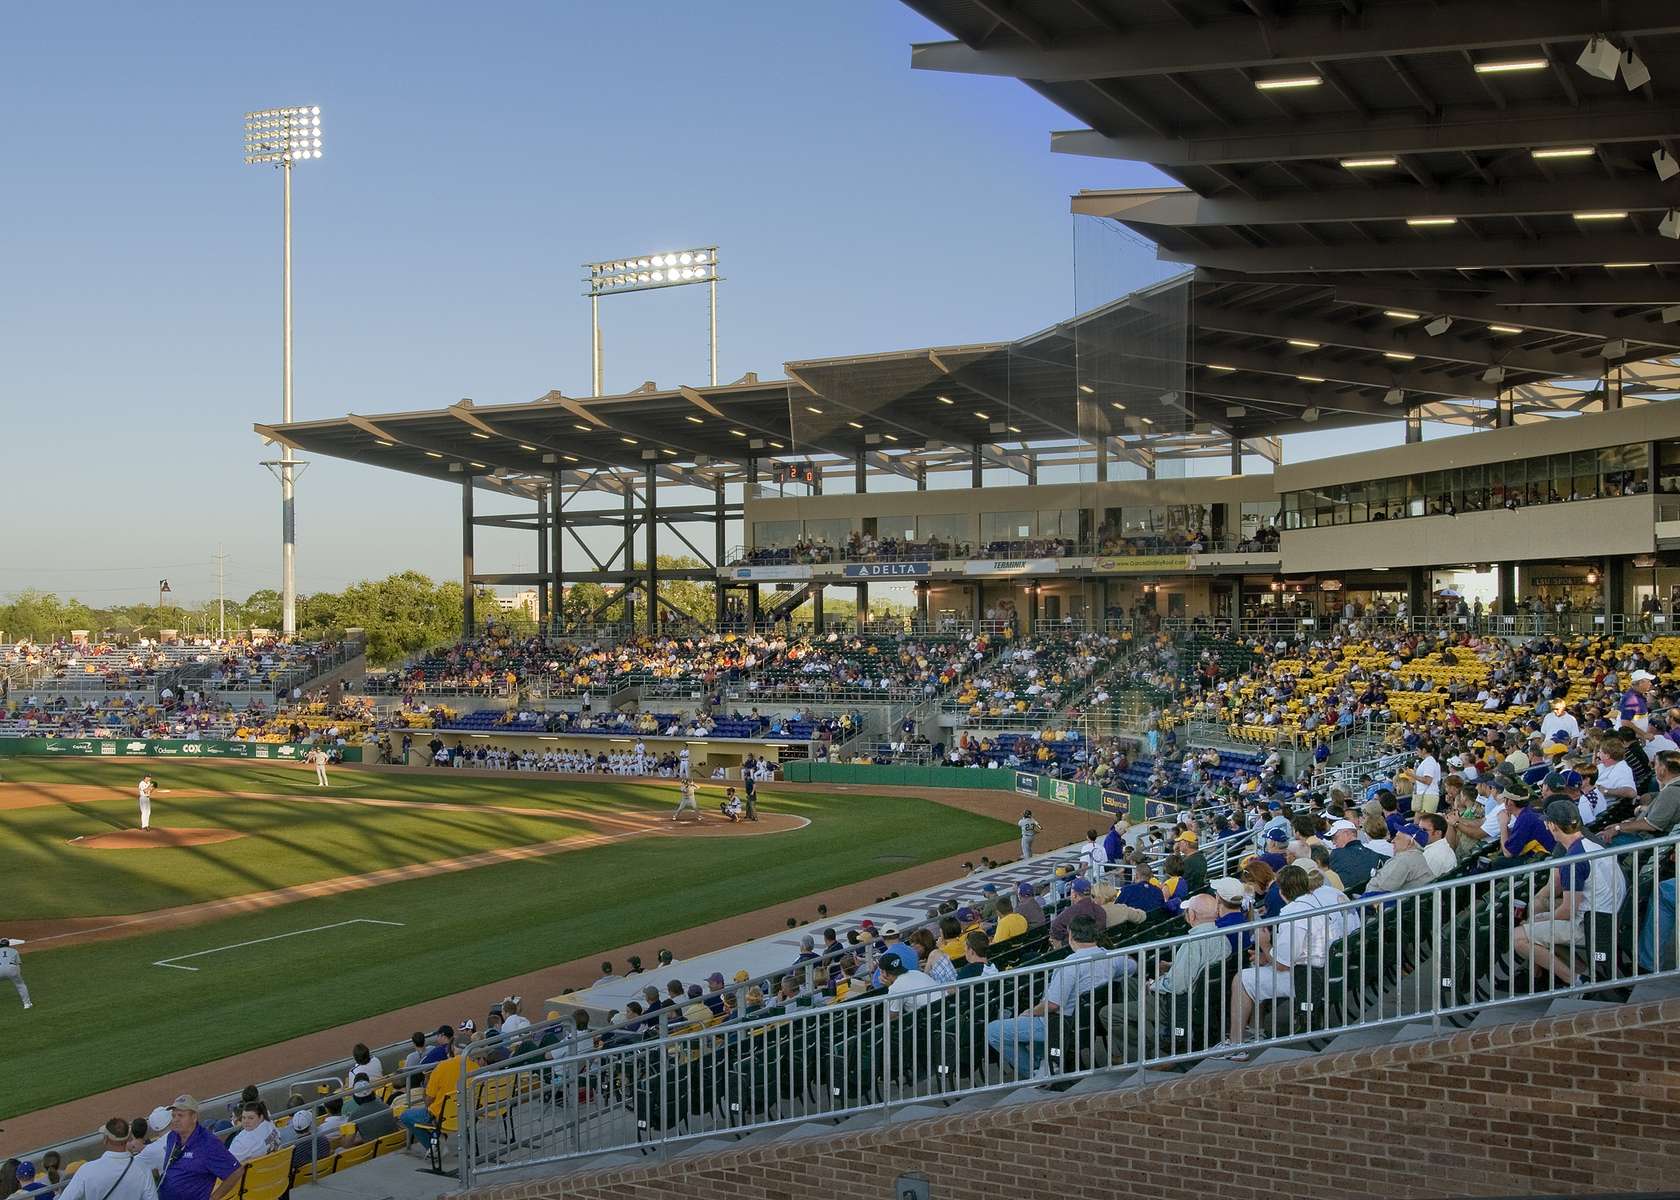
<point x="268" y="1177"/>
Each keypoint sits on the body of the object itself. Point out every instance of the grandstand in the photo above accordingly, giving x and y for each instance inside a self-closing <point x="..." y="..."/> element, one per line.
<point x="1361" y="841"/>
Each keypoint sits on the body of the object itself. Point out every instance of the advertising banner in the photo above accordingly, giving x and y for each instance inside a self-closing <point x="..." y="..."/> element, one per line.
<point x="1026" y="783"/>
<point x="1012" y="566"/>
<point x="164" y="748"/>
<point x="1118" y="803"/>
<point x="892" y="570"/>
<point x="1141" y="562"/>
<point x="783" y="572"/>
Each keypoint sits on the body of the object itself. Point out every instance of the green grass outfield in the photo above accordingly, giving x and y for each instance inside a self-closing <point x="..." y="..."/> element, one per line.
<point x="285" y="843"/>
<point x="106" y="1016"/>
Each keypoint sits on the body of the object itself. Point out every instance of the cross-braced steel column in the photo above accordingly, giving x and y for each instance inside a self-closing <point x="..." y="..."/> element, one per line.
<point x="652" y="515"/>
<point x="542" y="558"/>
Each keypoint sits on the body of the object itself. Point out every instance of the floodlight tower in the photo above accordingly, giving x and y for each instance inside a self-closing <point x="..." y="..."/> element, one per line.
<point x="280" y="137"/>
<point x="646" y="273"/>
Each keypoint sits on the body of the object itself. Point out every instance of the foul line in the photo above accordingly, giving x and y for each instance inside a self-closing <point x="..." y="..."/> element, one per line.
<point x="171" y="962"/>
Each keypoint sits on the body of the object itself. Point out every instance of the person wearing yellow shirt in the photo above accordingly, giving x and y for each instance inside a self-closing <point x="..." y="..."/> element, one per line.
<point x="1009" y="922"/>
<point x="442" y="1087"/>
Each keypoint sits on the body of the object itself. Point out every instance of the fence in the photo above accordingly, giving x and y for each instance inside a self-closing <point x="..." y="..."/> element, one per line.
<point x="1436" y="954"/>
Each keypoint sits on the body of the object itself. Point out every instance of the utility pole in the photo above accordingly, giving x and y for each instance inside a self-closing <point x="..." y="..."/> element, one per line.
<point x="221" y="592"/>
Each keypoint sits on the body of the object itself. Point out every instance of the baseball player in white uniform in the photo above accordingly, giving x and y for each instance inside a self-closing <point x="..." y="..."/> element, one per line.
<point x="146" y="789"/>
<point x="11" y="967"/>
<point x="686" y="799"/>
<point x="319" y="758"/>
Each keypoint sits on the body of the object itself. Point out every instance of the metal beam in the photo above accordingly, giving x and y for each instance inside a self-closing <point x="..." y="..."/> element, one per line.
<point x="1435" y="254"/>
<point x="1231" y="43"/>
<point x="1374" y="372"/>
<point x="1407" y="338"/>
<point x="1553" y="319"/>
<point x="1615" y="288"/>
<point x="1181" y="208"/>
<point x="1395" y="132"/>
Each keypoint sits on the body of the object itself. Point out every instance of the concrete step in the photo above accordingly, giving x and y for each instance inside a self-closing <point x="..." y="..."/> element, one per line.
<point x="1280" y="1054"/>
<point x="914" y="1112"/>
<point x="1567" y="1005"/>
<point x="807" y="1130"/>
<point x="1362" y="1039"/>
<point x="1505" y="1014"/>
<point x="1655" y="989"/>
<point x="1215" y="1065"/>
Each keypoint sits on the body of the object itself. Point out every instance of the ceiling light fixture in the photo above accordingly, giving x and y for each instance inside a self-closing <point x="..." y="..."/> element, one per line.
<point x="481" y="436"/>
<point x="982" y="416"/>
<point x="1426" y="222"/>
<point x="1600" y="58"/>
<point x="1279" y="83"/>
<point x="854" y="425"/>
<point x="1502" y="66"/>
<point x="693" y="419"/>
<point x="1368" y="164"/>
<point x="433" y="454"/>
<point x="383" y="442"/>
<point x="1503" y="329"/>
<point x="523" y="446"/>
<point x="946" y="400"/>
<point x="1219" y="367"/>
<point x="583" y="428"/>
<point x="1118" y="405"/>
<point x="811" y="408"/>
<point x="1310" y="378"/>
<point x="1304" y="344"/>
<point x="1401" y="314"/>
<point x="1627" y="266"/>
<point x="628" y="441"/>
<point x="1564" y="151"/>
<point x="1602" y="215"/>
<point x="738" y="432"/>
<point x="1398" y="355"/>
<point x="1086" y="388"/>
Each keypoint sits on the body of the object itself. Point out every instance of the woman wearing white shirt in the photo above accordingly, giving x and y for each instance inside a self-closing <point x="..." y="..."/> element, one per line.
<point x="1426" y="781"/>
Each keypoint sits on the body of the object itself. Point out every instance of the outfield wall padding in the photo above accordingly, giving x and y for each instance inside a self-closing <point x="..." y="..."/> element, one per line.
<point x="161" y="748"/>
<point x="1024" y="783"/>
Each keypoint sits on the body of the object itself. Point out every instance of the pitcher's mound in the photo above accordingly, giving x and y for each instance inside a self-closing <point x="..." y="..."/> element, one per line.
<point x="154" y="839"/>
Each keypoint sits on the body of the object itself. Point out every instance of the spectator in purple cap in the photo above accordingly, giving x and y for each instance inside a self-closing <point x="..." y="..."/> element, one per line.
<point x="714" y="993"/>
<point x="1408" y="868"/>
<point x="1084" y="905"/>
<point x="1026" y="903"/>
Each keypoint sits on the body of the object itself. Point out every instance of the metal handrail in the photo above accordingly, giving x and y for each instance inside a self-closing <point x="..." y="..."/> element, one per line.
<point x="885" y="1051"/>
<point x="942" y="550"/>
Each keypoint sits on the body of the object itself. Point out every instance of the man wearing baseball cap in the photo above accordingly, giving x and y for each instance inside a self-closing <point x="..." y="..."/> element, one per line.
<point x="1579" y="888"/>
<point x="1635" y="705"/>
<point x="1084" y="905"/>
<point x="1407" y="868"/>
<point x="194" y="1159"/>
<point x="1027" y="904"/>
<point x="1188" y="846"/>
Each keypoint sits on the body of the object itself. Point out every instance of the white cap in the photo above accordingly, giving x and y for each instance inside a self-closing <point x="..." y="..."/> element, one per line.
<point x="159" y="1120"/>
<point x="302" y="1120"/>
<point x="1342" y="826"/>
<point x="1230" y="890"/>
<point x="1637" y="676"/>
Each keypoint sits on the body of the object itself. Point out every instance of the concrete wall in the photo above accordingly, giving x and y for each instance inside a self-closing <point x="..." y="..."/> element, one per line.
<point x="703" y="753"/>
<point x="1576" y="529"/>
<point x="1575" y="1105"/>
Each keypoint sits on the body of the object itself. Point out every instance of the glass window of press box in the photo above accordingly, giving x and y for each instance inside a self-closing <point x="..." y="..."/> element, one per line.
<point x="1524" y="483"/>
<point x="1164" y="520"/>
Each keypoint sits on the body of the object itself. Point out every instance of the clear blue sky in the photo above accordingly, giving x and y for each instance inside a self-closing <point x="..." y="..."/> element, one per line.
<point x="475" y="155"/>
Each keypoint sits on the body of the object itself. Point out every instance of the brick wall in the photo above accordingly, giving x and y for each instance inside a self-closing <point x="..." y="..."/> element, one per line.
<point x="1583" y="1103"/>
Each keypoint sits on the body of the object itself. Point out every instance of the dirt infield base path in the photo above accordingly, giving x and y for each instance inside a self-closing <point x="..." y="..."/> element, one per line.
<point x="1062" y="825"/>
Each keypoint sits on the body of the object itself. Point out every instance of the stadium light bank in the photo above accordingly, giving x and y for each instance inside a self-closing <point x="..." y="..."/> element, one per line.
<point x="646" y="273"/>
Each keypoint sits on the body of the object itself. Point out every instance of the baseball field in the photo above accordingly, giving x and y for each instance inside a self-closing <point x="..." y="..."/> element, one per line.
<point x="260" y="907"/>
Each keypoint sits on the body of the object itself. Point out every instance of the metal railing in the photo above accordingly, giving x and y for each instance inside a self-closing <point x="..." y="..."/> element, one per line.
<point x="819" y="554"/>
<point x="1435" y="954"/>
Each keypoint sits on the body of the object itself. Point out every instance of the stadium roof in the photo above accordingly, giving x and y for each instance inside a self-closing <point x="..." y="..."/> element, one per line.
<point x="1301" y="204"/>
<point x="1310" y="292"/>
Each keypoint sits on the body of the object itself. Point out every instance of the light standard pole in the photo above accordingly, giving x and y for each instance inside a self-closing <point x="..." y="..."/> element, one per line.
<point x="281" y="137"/>
<point x="646" y="273"/>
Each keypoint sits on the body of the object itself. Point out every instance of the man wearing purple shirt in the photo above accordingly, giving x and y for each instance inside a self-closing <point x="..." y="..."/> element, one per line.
<point x="195" y="1161"/>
